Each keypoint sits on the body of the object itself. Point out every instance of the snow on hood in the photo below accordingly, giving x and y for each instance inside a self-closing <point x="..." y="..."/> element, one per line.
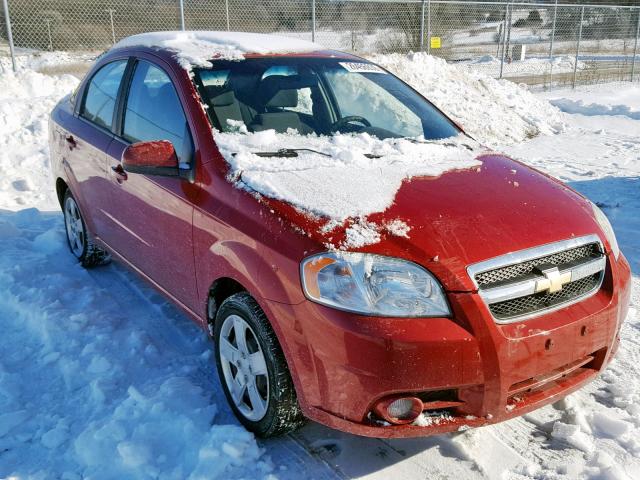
<point x="344" y="183"/>
<point x="197" y="48"/>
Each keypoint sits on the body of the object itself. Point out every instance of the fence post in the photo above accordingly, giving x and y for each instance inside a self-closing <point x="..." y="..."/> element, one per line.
<point x="7" y="19"/>
<point x="575" y="66"/>
<point x="553" y="36"/>
<point x="635" y="47"/>
<point x="113" y="30"/>
<point x="48" y="22"/>
<point x="182" y="15"/>
<point x="429" y="27"/>
<point x="509" y="22"/>
<point x="504" y="39"/>
<point x="553" y="29"/>
<point x="226" y="9"/>
<point x="313" y="20"/>
<point x="422" y="26"/>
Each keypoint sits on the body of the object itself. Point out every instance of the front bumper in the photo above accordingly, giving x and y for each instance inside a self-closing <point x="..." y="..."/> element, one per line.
<point x="343" y="364"/>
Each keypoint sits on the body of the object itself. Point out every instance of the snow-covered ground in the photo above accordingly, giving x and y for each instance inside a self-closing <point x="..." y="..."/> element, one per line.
<point x="101" y="378"/>
<point x="490" y="66"/>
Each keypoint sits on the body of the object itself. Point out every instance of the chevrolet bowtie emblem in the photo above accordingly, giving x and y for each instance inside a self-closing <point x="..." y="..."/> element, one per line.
<point x="553" y="280"/>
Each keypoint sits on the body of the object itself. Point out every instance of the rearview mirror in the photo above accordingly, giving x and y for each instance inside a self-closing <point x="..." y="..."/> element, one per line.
<point x="151" y="158"/>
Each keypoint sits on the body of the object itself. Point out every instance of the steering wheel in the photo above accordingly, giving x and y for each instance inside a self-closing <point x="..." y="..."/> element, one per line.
<point x="348" y="119"/>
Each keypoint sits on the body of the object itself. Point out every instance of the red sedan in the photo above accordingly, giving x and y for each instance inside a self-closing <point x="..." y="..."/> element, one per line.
<point x="471" y="290"/>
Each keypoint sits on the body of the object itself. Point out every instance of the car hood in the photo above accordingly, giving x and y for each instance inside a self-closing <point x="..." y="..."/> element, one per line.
<point x="466" y="216"/>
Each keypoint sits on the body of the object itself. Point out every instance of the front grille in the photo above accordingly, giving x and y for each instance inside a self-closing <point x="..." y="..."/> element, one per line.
<point x="541" y="301"/>
<point x="512" y="272"/>
<point x="526" y="283"/>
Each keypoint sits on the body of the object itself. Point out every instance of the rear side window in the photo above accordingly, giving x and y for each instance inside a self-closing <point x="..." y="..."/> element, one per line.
<point x="100" y="100"/>
<point x="154" y="111"/>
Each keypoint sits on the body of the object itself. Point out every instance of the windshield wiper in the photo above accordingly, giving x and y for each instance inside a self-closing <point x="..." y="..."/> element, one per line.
<point x="288" y="153"/>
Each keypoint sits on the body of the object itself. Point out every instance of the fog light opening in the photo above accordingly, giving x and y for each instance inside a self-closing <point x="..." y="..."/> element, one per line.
<point x="399" y="410"/>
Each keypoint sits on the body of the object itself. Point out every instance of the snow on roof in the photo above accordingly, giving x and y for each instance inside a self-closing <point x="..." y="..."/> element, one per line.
<point x="197" y="48"/>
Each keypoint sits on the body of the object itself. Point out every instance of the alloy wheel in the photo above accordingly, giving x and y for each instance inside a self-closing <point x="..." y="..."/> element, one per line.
<point x="75" y="228"/>
<point x="244" y="367"/>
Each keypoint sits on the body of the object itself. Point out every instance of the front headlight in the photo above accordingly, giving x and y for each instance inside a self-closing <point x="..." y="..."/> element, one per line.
<point x="607" y="229"/>
<point x="372" y="285"/>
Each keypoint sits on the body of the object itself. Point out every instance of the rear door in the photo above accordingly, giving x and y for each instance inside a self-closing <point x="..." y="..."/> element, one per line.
<point x="152" y="215"/>
<point x="86" y="137"/>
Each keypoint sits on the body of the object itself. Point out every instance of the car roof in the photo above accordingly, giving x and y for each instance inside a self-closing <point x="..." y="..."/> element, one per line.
<point x="198" y="48"/>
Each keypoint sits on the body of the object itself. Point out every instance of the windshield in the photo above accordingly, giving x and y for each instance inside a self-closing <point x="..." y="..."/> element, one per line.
<point x="317" y="96"/>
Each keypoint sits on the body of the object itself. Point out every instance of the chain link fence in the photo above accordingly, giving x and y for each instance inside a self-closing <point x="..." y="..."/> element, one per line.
<point x="534" y="43"/>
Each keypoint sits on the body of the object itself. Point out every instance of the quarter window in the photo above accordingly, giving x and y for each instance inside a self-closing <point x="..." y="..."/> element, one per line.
<point x="154" y="111"/>
<point x="100" y="100"/>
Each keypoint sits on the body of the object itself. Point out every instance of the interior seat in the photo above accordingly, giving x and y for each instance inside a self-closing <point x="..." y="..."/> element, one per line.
<point x="226" y="107"/>
<point x="278" y="119"/>
<point x="279" y="94"/>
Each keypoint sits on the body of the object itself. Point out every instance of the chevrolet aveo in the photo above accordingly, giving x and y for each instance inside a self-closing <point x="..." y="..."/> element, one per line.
<point x="501" y="300"/>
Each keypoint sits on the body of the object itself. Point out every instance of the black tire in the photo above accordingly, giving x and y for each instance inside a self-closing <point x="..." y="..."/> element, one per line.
<point x="88" y="254"/>
<point x="283" y="414"/>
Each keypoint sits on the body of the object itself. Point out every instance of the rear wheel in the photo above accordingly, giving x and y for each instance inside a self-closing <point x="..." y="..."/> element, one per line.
<point x="78" y="238"/>
<point x="253" y="370"/>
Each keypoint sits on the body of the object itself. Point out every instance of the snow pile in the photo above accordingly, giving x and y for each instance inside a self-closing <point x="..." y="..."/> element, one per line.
<point x="197" y="48"/>
<point x="340" y="182"/>
<point x="26" y="99"/>
<point x="493" y="111"/>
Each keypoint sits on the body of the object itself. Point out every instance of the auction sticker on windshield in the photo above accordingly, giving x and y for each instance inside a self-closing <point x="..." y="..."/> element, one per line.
<point x="359" y="67"/>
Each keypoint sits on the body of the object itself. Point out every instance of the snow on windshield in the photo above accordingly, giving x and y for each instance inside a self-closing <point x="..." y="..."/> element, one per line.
<point x="198" y="48"/>
<point x="359" y="174"/>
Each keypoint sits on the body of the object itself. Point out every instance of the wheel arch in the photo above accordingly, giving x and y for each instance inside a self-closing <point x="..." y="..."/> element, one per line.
<point x="221" y="289"/>
<point x="61" y="189"/>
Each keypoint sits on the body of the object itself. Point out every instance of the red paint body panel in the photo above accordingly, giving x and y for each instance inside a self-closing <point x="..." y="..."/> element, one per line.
<point x="184" y="236"/>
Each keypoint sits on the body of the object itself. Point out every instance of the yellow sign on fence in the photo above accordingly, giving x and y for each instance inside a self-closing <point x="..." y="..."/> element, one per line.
<point x="435" y="42"/>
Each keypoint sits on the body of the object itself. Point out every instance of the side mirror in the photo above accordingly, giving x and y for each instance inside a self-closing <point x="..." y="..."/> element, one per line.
<point x="151" y="158"/>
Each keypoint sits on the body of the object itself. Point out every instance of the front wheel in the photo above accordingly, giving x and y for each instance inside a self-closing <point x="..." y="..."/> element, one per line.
<point x="78" y="238"/>
<point x="253" y="370"/>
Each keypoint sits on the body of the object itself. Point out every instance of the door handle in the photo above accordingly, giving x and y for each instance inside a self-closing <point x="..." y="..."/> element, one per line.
<point x="119" y="173"/>
<point x="71" y="142"/>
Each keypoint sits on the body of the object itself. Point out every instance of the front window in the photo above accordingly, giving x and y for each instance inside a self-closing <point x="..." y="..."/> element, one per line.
<point x="319" y="96"/>
<point x="154" y="112"/>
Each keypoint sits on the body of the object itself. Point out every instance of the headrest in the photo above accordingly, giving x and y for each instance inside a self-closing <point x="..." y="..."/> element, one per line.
<point x="274" y="84"/>
<point x="284" y="98"/>
<point x="224" y="99"/>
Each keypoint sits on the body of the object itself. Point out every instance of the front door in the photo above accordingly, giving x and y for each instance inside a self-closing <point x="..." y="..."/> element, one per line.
<point x="152" y="215"/>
